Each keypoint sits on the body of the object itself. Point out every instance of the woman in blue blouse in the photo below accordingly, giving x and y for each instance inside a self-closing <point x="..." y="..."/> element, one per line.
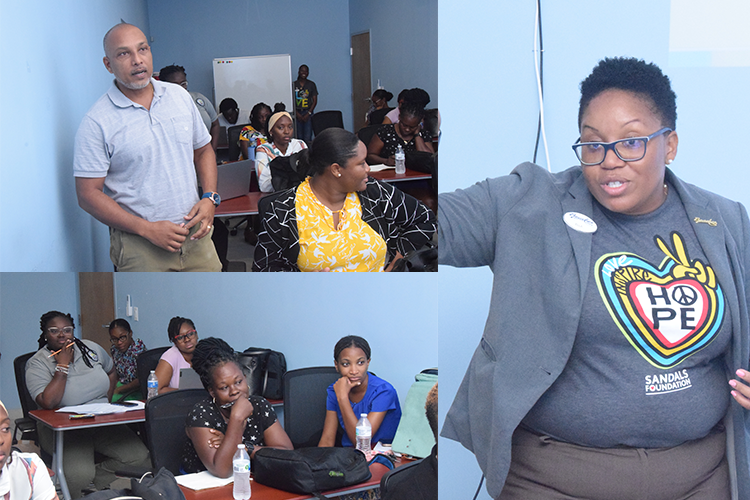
<point x="357" y="392"/>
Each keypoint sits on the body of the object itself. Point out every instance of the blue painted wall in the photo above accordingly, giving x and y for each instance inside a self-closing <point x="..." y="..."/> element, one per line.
<point x="403" y="43"/>
<point x="52" y="53"/>
<point x="489" y="107"/>
<point x="24" y="297"/>
<point x="302" y="316"/>
<point x="192" y="33"/>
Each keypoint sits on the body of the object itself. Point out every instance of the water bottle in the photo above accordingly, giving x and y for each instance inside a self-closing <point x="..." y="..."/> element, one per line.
<point x="153" y="385"/>
<point x="241" y="467"/>
<point x="400" y="160"/>
<point x="364" y="434"/>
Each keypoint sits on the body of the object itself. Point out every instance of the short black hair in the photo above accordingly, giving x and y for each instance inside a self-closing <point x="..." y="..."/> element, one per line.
<point x="351" y="341"/>
<point x="175" y="324"/>
<point x="165" y="74"/>
<point x="411" y="108"/>
<point x="226" y="104"/>
<point x="120" y="323"/>
<point x="643" y="79"/>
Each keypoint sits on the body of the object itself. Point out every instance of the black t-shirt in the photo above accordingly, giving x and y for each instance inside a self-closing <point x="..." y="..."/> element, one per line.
<point x="207" y="414"/>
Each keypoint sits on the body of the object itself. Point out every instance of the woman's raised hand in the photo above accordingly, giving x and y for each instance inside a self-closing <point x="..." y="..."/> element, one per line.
<point x="65" y="356"/>
<point x="741" y="388"/>
<point x="242" y="408"/>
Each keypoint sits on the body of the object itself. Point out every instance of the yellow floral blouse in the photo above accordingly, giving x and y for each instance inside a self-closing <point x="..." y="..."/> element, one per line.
<point x="353" y="246"/>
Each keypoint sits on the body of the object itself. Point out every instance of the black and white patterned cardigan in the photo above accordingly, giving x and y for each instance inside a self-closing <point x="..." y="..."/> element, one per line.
<point x="403" y="222"/>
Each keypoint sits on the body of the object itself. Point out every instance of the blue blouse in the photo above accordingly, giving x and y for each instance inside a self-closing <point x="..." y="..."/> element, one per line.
<point x="380" y="396"/>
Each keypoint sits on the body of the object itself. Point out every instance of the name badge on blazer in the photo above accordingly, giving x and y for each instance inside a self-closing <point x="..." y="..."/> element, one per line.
<point x="579" y="222"/>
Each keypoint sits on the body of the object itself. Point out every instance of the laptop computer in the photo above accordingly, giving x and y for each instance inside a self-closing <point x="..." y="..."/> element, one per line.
<point x="234" y="178"/>
<point x="189" y="379"/>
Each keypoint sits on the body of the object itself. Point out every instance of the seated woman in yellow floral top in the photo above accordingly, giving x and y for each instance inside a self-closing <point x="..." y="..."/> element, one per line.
<point x="339" y="218"/>
<point x="255" y="134"/>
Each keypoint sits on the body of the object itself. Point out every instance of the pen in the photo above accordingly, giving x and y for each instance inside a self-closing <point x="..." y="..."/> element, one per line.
<point x="60" y="350"/>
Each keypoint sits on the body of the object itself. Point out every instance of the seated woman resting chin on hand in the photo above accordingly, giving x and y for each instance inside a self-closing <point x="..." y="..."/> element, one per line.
<point x="358" y="392"/>
<point x="216" y="426"/>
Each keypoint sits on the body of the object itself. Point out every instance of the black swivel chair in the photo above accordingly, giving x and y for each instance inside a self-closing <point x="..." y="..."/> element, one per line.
<point x="165" y="426"/>
<point x="305" y="403"/>
<point x="327" y="119"/>
<point x="147" y="361"/>
<point x="366" y="133"/>
<point x="377" y="116"/>
<point x="25" y="424"/>
<point x="233" y="137"/>
<point x="385" y="481"/>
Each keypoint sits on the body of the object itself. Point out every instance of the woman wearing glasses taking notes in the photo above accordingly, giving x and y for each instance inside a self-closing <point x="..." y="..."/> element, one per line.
<point x="614" y="360"/>
<point x="69" y="371"/>
<point x="182" y="334"/>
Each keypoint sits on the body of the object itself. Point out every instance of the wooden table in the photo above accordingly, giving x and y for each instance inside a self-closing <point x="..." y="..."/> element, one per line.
<point x="242" y="205"/>
<point x="389" y="175"/>
<point x="262" y="492"/>
<point x="60" y="422"/>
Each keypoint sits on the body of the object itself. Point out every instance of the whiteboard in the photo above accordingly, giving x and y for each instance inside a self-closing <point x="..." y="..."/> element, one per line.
<point x="253" y="79"/>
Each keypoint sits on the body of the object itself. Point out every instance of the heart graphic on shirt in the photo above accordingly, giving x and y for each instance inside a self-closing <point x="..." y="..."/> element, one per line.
<point x="668" y="312"/>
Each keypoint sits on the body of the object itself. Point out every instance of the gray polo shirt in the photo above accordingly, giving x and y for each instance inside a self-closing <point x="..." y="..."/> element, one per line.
<point x="84" y="384"/>
<point x="145" y="155"/>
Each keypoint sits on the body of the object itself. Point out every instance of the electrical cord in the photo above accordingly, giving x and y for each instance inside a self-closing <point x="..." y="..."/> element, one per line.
<point x="538" y="62"/>
<point x="479" y="488"/>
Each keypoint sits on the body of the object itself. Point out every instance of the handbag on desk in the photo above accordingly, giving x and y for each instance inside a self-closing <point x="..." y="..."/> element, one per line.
<point x="162" y="486"/>
<point x="310" y="470"/>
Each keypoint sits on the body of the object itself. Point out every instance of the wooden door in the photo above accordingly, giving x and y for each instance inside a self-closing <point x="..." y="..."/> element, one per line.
<point x="361" y="79"/>
<point x="97" y="298"/>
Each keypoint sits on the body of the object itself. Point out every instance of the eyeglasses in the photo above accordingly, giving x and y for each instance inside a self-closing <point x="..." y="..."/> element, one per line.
<point x="118" y="340"/>
<point x="185" y="336"/>
<point x="183" y="84"/>
<point x="67" y="330"/>
<point x="630" y="149"/>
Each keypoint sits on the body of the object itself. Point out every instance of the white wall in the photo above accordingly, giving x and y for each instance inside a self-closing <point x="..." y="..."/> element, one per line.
<point x="489" y="117"/>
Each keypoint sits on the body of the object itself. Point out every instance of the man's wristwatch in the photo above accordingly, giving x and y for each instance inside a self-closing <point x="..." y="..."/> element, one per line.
<point x="214" y="197"/>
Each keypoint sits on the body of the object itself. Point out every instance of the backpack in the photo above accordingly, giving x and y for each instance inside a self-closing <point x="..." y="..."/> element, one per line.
<point x="287" y="172"/>
<point x="310" y="470"/>
<point x="266" y="369"/>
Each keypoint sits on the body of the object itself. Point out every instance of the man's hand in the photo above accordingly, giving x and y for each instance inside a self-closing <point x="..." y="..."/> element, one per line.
<point x="166" y="235"/>
<point x="202" y="212"/>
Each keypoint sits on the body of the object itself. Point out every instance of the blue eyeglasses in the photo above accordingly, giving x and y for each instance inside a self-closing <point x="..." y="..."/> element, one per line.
<point x="630" y="149"/>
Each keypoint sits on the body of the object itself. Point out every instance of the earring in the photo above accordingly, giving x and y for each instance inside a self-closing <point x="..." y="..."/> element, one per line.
<point x="339" y="175"/>
<point x="669" y="161"/>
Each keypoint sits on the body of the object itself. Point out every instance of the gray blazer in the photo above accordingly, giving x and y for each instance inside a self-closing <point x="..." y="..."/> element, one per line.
<point x="514" y="225"/>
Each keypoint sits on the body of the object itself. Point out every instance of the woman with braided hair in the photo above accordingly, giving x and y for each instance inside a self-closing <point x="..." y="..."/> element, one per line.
<point x="182" y="334"/>
<point x="69" y="371"/>
<point x="231" y="416"/>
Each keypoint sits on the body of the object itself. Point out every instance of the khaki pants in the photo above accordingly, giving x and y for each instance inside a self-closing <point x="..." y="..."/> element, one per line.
<point x="130" y="252"/>
<point x="544" y="469"/>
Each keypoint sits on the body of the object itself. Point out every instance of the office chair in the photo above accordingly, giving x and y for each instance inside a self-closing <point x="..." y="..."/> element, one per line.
<point x="327" y="119"/>
<point x="414" y="436"/>
<point x="305" y="403"/>
<point x="366" y="133"/>
<point x="147" y="361"/>
<point x="25" y="424"/>
<point x="233" y="137"/>
<point x="165" y="426"/>
<point x="388" y="477"/>
<point x="377" y="116"/>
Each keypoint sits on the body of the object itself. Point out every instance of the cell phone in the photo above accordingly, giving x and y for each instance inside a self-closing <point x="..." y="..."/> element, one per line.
<point x="82" y="415"/>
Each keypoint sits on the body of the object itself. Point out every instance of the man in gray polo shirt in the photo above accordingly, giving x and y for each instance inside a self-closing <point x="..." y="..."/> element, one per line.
<point x="137" y="153"/>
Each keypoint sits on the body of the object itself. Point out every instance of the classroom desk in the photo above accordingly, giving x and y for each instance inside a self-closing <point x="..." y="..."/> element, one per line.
<point x="242" y="205"/>
<point x="389" y="175"/>
<point x="263" y="492"/>
<point x="60" y="422"/>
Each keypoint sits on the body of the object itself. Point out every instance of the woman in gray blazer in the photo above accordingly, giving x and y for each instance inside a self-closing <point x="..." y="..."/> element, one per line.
<point x="614" y="359"/>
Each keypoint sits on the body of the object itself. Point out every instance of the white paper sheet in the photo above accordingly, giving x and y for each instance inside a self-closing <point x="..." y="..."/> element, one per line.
<point x="102" y="408"/>
<point x="202" y="481"/>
